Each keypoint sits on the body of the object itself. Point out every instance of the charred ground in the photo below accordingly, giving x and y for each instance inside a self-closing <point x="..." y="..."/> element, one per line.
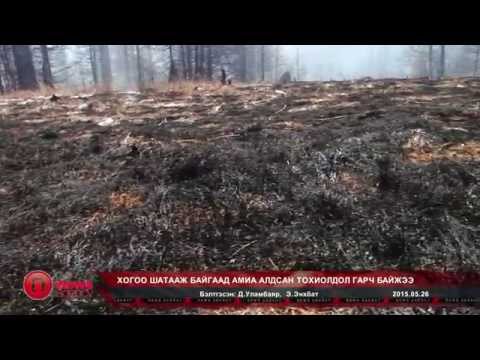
<point x="337" y="175"/>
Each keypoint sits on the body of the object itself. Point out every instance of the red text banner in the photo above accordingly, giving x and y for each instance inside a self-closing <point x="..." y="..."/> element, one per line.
<point x="289" y="288"/>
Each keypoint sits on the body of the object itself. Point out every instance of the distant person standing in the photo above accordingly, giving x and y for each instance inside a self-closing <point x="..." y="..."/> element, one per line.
<point x="285" y="78"/>
<point x="224" y="77"/>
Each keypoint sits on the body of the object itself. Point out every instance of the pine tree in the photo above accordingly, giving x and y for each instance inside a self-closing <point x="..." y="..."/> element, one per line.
<point x="93" y="63"/>
<point x="46" y="68"/>
<point x="27" y="79"/>
<point x="140" y="80"/>
<point x="442" y="61"/>
<point x="105" y="66"/>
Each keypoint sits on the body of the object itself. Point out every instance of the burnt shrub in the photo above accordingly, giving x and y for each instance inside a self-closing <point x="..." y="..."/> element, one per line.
<point x="389" y="248"/>
<point x="254" y="128"/>
<point x="454" y="175"/>
<point x="327" y="206"/>
<point x="320" y="138"/>
<point x="283" y="215"/>
<point x="49" y="134"/>
<point x="277" y="156"/>
<point x="191" y="168"/>
<point x="387" y="180"/>
<point x="435" y="200"/>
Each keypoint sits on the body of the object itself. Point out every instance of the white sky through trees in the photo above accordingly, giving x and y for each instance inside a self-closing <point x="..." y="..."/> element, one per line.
<point x="338" y="62"/>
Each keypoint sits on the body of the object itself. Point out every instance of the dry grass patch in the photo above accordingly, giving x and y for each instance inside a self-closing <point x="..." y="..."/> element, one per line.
<point x="125" y="200"/>
<point x="449" y="151"/>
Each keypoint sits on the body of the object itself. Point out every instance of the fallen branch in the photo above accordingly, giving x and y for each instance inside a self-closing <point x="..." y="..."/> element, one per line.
<point x="223" y="137"/>
<point x="333" y="117"/>
<point x="275" y="267"/>
<point x="188" y="141"/>
<point x="243" y="247"/>
<point x="52" y="308"/>
<point x="279" y="111"/>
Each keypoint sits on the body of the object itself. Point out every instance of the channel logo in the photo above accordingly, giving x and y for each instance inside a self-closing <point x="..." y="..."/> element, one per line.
<point x="38" y="285"/>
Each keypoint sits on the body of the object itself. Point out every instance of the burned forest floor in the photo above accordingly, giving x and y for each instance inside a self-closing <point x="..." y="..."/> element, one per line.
<point x="364" y="175"/>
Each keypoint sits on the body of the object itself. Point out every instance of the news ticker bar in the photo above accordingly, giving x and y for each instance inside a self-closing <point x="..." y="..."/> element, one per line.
<point x="304" y="296"/>
<point x="311" y="288"/>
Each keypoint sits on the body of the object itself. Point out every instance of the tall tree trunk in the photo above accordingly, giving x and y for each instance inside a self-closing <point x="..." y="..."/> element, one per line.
<point x="82" y="79"/>
<point x="10" y="80"/>
<point x="141" y="82"/>
<point x="189" y="62"/>
<point x="183" y="60"/>
<point x="150" y="72"/>
<point x="276" y="63"/>
<point x="204" y="60"/>
<point x="196" y="62"/>
<point x="383" y="55"/>
<point x="106" y="67"/>
<point x="442" y="60"/>
<point x="93" y="63"/>
<point x="243" y="63"/>
<point x="209" y="63"/>
<point x="477" y="60"/>
<point x="173" y="75"/>
<point x="201" y="59"/>
<point x="298" y="64"/>
<point x="126" y="66"/>
<point x="2" y="86"/>
<point x="430" y="62"/>
<point x="262" y="62"/>
<point x="46" y="68"/>
<point x="22" y="55"/>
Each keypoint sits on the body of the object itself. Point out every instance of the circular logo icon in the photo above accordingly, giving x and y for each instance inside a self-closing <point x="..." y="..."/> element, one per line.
<point x="37" y="285"/>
